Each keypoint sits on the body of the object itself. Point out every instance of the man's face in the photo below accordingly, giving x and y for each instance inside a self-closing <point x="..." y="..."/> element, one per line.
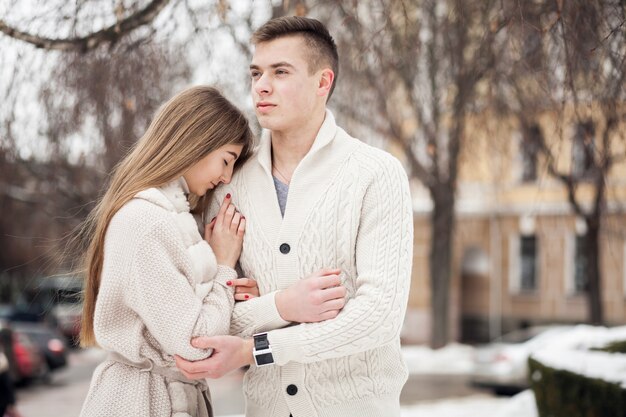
<point x="283" y="92"/>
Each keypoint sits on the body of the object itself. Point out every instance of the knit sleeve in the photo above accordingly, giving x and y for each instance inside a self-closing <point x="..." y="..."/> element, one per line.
<point x="374" y="316"/>
<point x="256" y="315"/>
<point x="163" y="296"/>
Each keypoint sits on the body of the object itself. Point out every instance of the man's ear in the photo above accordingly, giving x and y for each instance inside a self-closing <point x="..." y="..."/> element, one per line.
<point x="327" y="77"/>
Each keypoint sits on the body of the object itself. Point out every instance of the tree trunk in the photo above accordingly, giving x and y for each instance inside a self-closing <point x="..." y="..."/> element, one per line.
<point x="442" y="222"/>
<point x="594" y="287"/>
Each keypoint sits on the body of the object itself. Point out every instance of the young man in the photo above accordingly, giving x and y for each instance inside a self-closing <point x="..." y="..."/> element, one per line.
<point x="315" y="198"/>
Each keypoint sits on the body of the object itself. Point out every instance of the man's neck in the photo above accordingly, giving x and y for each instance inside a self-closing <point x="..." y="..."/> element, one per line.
<point x="289" y="148"/>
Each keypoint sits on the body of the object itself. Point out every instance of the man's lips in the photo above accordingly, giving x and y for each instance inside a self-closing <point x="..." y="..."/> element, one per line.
<point x="265" y="106"/>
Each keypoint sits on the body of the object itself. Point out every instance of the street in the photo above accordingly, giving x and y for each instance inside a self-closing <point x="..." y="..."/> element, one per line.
<point x="64" y="394"/>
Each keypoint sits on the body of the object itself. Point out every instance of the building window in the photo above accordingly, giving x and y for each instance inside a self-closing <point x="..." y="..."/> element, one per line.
<point x="624" y="271"/>
<point x="523" y="267"/>
<point x="528" y="264"/>
<point x="582" y="150"/>
<point x="580" y="265"/>
<point x="529" y="150"/>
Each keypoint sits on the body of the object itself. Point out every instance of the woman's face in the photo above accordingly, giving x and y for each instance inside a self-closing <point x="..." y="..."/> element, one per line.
<point x="213" y="169"/>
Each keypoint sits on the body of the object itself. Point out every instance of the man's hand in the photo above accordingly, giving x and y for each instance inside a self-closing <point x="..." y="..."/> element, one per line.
<point x="229" y="353"/>
<point x="318" y="297"/>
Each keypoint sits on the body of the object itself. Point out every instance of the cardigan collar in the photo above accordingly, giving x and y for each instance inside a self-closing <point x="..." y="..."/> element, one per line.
<point x="324" y="136"/>
<point x="171" y="197"/>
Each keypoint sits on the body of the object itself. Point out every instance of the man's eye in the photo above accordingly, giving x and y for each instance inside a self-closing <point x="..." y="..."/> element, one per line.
<point x="281" y="71"/>
<point x="255" y="74"/>
<point x="225" y="162"/>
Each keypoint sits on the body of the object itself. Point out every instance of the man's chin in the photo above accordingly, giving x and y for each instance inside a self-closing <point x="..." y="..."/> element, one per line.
<point x="269" y="123"/>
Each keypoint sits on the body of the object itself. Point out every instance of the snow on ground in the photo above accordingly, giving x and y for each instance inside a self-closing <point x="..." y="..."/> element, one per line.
<point x="522" y="405"/>
<point x="458" y="359"/>
<point x="452" y="359"/>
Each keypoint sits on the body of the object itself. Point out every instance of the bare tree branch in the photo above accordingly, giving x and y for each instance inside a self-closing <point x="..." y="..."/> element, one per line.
<point x="110" y="35"/>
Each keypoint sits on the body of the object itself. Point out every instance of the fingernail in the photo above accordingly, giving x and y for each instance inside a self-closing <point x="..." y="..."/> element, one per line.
<point x="228" y="195"/>
<point x="229" y="283"/>
<point x="243" y="217"/>
<point x="212" y="220"/>
<point x="246" y="296"/>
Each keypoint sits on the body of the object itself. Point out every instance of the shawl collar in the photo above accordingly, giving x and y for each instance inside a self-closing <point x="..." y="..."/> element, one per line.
<point x="170" y="196"/>
<point x="324" y="136"/>
<point x="310" y="180"/>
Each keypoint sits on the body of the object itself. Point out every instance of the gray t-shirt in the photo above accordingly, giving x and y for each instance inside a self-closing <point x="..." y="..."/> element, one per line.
<point x="282" y="190"/>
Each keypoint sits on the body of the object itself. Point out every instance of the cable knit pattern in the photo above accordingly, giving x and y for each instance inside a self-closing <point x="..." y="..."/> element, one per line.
<point x="160" y="286"/>
<point x="348" y="207"/>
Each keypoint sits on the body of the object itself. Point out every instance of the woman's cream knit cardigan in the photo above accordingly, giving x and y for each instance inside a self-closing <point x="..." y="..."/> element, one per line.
<point x="160" y="287"/>
<point x="348" y="207"/>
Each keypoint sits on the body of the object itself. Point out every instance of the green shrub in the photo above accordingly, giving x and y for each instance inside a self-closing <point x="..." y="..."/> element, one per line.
<point x="614" y="347"/>
<point x="561" y="393"/>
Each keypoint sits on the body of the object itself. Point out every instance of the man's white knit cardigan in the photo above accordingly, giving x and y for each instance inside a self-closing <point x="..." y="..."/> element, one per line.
<point x="160" y="286"/>
<point x="348" y="207"/>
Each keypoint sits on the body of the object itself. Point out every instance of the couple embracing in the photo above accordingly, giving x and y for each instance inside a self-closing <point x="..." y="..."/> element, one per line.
<point x="319" y="223"/>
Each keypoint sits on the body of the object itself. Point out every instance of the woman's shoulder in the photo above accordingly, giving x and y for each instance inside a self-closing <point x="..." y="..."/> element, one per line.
<point x="139" y="217"/>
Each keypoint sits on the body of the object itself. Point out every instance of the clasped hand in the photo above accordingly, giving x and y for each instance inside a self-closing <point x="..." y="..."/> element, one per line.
<point x="318" y="297"/>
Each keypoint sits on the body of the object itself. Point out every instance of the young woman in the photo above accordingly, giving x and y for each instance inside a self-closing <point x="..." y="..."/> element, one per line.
<point x="152" y="281"/>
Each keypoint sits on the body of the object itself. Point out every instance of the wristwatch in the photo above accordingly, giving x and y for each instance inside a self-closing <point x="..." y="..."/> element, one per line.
<point x="262" y="350"/>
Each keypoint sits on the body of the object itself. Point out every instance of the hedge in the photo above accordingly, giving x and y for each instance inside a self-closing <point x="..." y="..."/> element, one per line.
<point x="614" y="347"/>
<point x="561" y="393"/>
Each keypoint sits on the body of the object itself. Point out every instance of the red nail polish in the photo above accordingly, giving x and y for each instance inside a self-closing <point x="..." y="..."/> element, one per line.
<point x="246" y="297"/>
<point x="229" y="283"/>
<point x="228" y="195"/>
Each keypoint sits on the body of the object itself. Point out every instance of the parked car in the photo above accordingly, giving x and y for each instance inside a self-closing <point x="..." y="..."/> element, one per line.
<point x="11" y="313"/>
<point x="6" y="344"/>
<point x="28" y="358"/>
<point x="503" y="364"/>
<point x="62" y="295"/>
<point x="50" y="342"/>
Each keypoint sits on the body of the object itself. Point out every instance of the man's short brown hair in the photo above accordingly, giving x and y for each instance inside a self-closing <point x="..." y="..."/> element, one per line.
<point x="322" y="50"/>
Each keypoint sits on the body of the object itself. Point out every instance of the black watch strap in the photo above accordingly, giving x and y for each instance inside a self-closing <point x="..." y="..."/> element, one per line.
<point x="262" y="350"/>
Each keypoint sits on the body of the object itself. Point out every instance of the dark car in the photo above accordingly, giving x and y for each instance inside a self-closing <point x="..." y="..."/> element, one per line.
<point x="61" y="296"/>
<point x="27" y="357"/>
<point x="6" y="344"/>
<point x="10" y="313"/>
<point x="49" y="341"/>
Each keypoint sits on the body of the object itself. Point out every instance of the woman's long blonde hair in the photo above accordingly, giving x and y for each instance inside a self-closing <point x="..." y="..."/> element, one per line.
<point x="189" y="126"/>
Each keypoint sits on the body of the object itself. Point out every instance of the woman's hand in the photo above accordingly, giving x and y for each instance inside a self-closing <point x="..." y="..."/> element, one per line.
<point x="245" y="288"/>
<point x="225" y="233"/>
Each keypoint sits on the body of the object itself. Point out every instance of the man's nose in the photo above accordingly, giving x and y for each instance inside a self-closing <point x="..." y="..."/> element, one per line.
<point x="263" y="85"/>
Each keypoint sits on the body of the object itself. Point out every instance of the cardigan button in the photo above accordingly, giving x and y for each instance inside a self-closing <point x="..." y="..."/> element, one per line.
<point x="292" y="389"/>
<point x="285" y="248"/>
